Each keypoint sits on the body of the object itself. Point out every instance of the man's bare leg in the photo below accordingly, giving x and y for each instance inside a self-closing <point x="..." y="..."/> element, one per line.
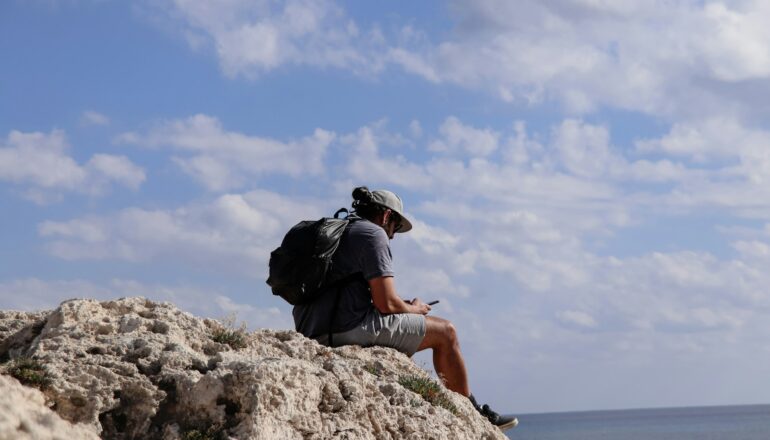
<point x="440" y="335"/>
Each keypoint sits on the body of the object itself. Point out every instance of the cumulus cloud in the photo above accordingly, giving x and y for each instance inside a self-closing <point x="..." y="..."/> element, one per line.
<point x="233" y="233"/>
<point x="91" y="117"/>
<point x="40" y="163"/>
<point x="415" y="128"/>
<point x="40" y="159"/>
<point x="585" y="149"/>
<point x="367" y="163"/>
<point x="574" y="176"/>
<point x="754" y="248"/>
<point x="253" y="37"/>
<point x="727" y="164"/>
<point x="577" y="318"/>
<point x="222" y="160"/>
<point x="721" y="141"/>
<point x="657" y="57"/>
<point x="116" y="168"/>
<point x="709" y="140"/>
<point x="458" y="136"/>
<point x="651" y="304"/>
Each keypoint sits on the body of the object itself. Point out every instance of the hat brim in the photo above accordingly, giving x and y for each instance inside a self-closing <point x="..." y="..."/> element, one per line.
<point x="405" y="224"/>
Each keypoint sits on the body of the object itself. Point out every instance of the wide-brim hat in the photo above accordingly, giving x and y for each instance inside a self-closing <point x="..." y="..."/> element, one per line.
<point x="393" y="202"/>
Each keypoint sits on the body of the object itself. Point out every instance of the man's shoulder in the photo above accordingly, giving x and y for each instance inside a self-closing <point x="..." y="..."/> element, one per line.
<point x="365" y="229"/>
<point x="364" y="226"/>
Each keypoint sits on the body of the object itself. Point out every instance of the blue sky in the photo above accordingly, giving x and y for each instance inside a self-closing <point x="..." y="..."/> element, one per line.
<point x="588" y="179"/>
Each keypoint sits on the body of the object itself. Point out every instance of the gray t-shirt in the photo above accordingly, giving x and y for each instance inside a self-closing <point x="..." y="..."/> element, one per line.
<point x="364" y="249"/>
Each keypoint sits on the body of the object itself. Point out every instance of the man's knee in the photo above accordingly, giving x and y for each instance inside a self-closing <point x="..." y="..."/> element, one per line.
<point x="446" y="331"/>
<point x="451" y="333"/>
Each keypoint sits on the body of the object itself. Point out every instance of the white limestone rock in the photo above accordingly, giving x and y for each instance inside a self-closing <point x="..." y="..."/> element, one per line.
<point x="133" y="368"/>
<point x="24" y="416"/>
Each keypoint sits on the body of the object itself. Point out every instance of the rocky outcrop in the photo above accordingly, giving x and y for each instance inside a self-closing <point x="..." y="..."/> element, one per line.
<point x="24" y="416"/>
<point x="136" y="369"/>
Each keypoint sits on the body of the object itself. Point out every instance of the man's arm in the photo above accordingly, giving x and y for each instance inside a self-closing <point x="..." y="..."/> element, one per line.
<point x="387" y="301"/>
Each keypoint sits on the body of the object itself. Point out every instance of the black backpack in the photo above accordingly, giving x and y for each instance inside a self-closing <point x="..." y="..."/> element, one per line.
<point x="299" y="268"/>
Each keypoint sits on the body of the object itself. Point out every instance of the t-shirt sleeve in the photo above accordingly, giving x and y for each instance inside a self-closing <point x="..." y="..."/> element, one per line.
<point x="376" y="259"/>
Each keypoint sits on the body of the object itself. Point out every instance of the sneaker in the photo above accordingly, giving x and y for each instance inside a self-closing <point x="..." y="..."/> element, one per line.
<point x="502" y="422"/>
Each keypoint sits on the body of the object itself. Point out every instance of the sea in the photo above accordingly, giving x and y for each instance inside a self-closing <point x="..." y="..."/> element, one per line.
<point x="746" y="422"/>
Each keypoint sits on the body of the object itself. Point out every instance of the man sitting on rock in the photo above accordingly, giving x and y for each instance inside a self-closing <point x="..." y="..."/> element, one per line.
<point x="367" y="311"/>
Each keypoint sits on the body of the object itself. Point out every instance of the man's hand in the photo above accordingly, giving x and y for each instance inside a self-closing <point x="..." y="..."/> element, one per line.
<point x="420" y="307"/>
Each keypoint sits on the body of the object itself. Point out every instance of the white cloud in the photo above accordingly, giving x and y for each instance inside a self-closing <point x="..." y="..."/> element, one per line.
<point x="39" y="159"/>
<point x="40" y="163"/>
<point x="699" y="318"/>
<point x="534" y="215"/>
<point x="737" y="49"/>
<point x="752" y="249"/>
<point x="415" y="128"/>
<point x="413" y="63"/>
<point x="708" y="140"/>
<point x="658" y="171"/>
<point x="458" y="136"/>
<point x="367" y="164"/>
<point x="432" y="239"/>
<point x="469" y="178"/>
<point x="665" y="58"/>
<point x="577" y="318"/>
<point x="91" y="117"/>
<point x="233" y="233"/>
<point x="252" y="37"/>
<point x="117" y="168"/>
<point x="429" y="284"/>
<point x="727" y="165"/>
<point x="223" y="160"/>
<point x="532" y="178"/>
<point x="658" y="57"/>
<point x="742" y="152"/>
<point x="585" y="149"/>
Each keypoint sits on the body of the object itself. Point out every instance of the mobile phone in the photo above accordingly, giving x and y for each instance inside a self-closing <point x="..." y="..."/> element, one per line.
<point x="433" y="303"/>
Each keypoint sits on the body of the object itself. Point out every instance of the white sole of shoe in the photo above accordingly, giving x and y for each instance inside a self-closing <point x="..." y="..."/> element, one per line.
<point x="512" y="424"/>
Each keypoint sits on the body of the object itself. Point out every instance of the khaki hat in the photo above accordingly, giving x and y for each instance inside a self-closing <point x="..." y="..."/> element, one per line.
<point x="393" y="202"/>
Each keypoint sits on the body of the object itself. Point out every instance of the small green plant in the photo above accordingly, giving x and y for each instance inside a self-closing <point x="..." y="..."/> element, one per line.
<point x="228" y="333"/>
<point x="213" y="432"/>
<point x="30" y="372"/>
<point x="373" y="369"/>
<point x="429" y="390"/>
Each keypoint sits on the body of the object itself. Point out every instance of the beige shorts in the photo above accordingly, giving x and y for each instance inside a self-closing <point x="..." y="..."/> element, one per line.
<point x="402" y="331"/>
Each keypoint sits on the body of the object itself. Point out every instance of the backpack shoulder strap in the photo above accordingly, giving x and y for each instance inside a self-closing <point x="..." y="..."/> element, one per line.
<point x="349" y="216"/>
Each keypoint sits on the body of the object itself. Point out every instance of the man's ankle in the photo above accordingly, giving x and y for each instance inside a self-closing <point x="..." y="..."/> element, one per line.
<point x="473" y="401"/>
<point x="503" y="422"/>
